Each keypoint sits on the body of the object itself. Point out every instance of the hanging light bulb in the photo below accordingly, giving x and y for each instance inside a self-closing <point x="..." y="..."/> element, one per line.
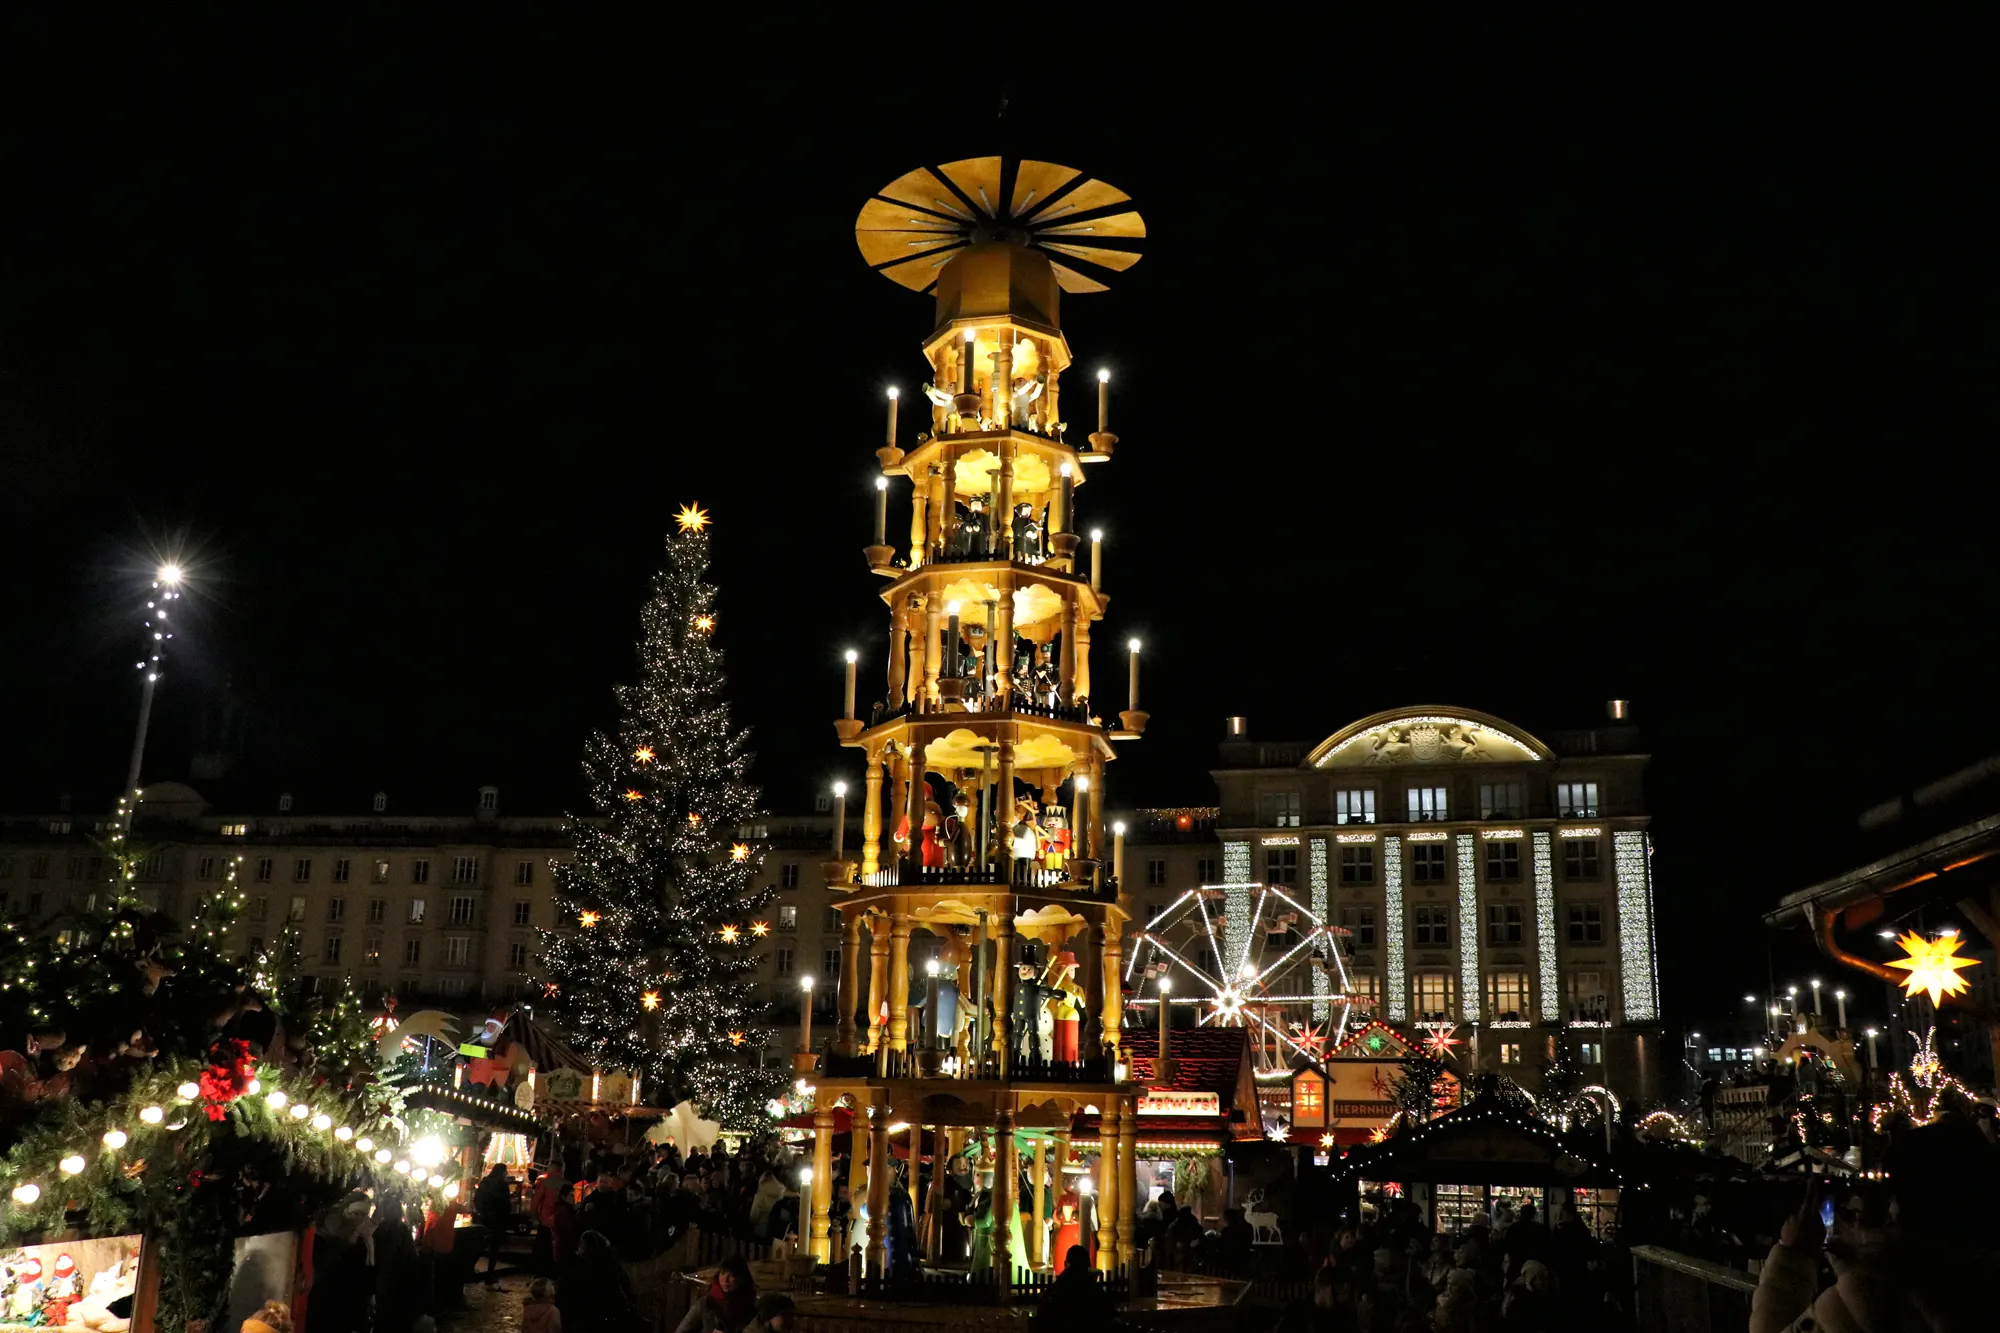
<point x="152" y="1115"/>
<point x="277" y="1099"/>
<point x="27" y="1194"/>
<point x="187" y="1092"/>
<point x="365" y="1145"/>
<point x="343" y="1133"/>
<point x="114" y="1139"/>
<point x="72" y="1164"/>
<point x="323" y="1122"/>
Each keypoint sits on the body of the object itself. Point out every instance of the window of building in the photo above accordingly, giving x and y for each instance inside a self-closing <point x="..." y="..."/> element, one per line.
<point x="489" y="798"/>
<point x="379" y="872"/>
<point x="298" y="909"/>
<point x="336" y="909"/>
<point x="416" y="911"/>
<point x="830" y="923"/>
<point x="1281" y="866"/>
<point x="263" y="870"/>
<point x="517" y="956"/>
<point x="302" y="870"/>
<point x="381" y="801"/>
<point x="1510" y="1052"/>
<point x="457" y="950"/>
<point x="156" y="865"/>
<point x="6" y="867"/>
<point x="378" y="908"/>
<point x="781" y="962"/>
<point x="256" y="945"/>
<point x="1501" y="800"/>
<point x="371" y="947"/>
<point x="1354" y="807"/>
<point x="205" y="868"/>
<point x="35" y="903"/>
<point x="1586" y="923"/>
<point x="332" y="950"/>
<point x="260" y="908"/>
<point x="420" y="870"/>
<point x="465" y="870"/>
<point x="788" y="875"/>
<point x="1278" y="809"/>
<point x="1503" y="861"/>
<point x="1588" y="1000"/>
<point x="1366" y="990"/>
<point x="1308" y="1100"/>
<point x="1580" y="858"/>
<point x="38" y="866"/>
<point x="463" y="910"/>
<point x="1432" y="925"/>
<point x="1590" y="1052"/>
<point x="1503" y="923"/>
<point x="341" y="866"/>
<point x="524" y="912"/>
<point x="1204" y="869"/>
<point x="1156" y="872"/>
<point x="830" y="967"/>
<point x="1434" y="995"/>
<point x="1427" y="862"/>
<point x="1507" y="995"/>
<point x="524" y="873"/>
<point x="1359" y="923"/>
<point x="1357" y="865"/>
<point x="1427" y="804"/>
<point x="1576" y="800"/>
<point x="235" y="830"/>
<point x="788" y="916"/>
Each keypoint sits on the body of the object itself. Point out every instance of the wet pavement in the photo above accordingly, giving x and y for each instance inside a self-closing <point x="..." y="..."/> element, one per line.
<point x="489" y="1309"/>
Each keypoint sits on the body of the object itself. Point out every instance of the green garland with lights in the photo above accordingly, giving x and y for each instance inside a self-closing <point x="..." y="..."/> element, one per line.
<point x="651" y="967"/>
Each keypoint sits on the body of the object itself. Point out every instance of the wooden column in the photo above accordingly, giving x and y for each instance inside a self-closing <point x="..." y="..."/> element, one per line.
<point x="1004" y="1172"/>
<point x="918" y="793"/>
<point x="933" y="654"/>
<point x="1003" y="394"/>
<point x="1097" y="804"/>
<point x="1003" y="983"/>
<point x="899" y="663"/>
<point x="1003" y="503"/>
<point x="881" y="1166"/>
<point x="1083" y="656"/>
<point x="919" y="522"/>
<point x="1128" y="1179"/>
<point x="899" y="983"/>
<point x="1067" y="655"/>
<point x="1038" y="1236"/>
<point x="950" y="496"/>
<point x="941" y="510"/>
<point x="857" y="1179"/>
<point x="1003" y="806"/>
<point x="878" y="975"/>
<point x="850" y="980"/>
<point x="1003" y="635"/>
<point x="1090" y="971"/>
<point x="871" y="815"/>
<point x="1111" y="978"/>
<point x="822" y="1184"/>
<point x="1107" y="1186"/>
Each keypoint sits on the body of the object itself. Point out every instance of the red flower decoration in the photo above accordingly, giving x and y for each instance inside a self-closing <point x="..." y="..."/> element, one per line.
<point x="230" y="1069"/>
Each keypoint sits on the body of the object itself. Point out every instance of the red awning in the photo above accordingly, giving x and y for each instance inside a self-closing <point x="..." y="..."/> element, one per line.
<point x="843" y="1120"/>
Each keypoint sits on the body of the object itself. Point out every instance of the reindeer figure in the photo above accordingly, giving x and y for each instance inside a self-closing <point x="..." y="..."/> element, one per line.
<point x="1261" y="1222"/>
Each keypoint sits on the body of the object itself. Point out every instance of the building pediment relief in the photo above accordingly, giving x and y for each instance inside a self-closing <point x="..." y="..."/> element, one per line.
<point x="1427" y="736"/>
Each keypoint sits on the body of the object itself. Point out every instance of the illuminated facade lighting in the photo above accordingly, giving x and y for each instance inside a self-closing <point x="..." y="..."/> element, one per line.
<point x="1322" y="984"/>
<point x="1468" y="928"/>
<point x="1354" y="837"/>
<point x="1630" y="854"/>
<point x="1545" y="929"/>
<point x="1394" y="985"/>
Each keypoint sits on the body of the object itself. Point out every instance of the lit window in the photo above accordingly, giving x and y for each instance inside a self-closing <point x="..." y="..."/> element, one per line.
<point x="1308" y="1100"/>
<point x="1503" y="861"/>
<point x="1576" y="800"/>
<point x="1357" y="865"/>
<point x="788" y="916"/>
<point x="1501" y="800"/>
<point x="371" y="948"/>
<point x="235" y="830"/>
<point x="417" y="911"/>
<point x="379" y="873"/>
<point x="1590" y="1052"/>
<point x="1354" y="807"/>
<point x="1365" y="990"/>
<point x="1510" y="1052"/>
<point x="1427" y="805"/>
<point x="298" y="912"/>
<point x="1435" y="995"/>
<point x="1507" y="994"/>
<point x="1580" y="858"/>
<point x="1278" y="809"/>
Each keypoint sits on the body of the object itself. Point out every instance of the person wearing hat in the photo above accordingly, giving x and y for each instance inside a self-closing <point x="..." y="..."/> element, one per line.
<point x="774" y="1314"/>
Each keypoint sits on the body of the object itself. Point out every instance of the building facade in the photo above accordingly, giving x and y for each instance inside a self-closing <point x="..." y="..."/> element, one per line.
<point x="1479" y="881"/>
<point x="444" y="907"/>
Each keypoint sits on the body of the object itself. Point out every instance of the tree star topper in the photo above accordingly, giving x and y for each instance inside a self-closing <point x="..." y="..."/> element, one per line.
<point x="692" y="518"/>
<point x="1933" y="966"/>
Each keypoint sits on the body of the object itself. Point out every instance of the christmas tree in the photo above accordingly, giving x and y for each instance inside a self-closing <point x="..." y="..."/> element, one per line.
<point x="1417" y="1090"/>
<point x="649" y="967"/>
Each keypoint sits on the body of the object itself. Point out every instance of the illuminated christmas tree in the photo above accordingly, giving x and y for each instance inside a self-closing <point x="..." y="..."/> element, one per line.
<point x="650" y="966"/>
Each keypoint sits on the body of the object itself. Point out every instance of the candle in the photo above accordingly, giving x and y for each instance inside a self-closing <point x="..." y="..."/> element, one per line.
<point x="1840" y="1002"/>
<point x="1103" y="402"/>
<point x="839" y="820"/>
<point x="931" y="970"/>
<point x="894" y="394"/>
<point x="852" y="657"/>
<point x="1060" y="521"/>
<point x="881" y="511"/>
<point x="1096" y="559"/>
<point x="1118" y="850"/>
<point x="965" y="363"/>
<point x="806" y="1029"/>
<point x="1132" y="684"/>
<point x="1872" y="1033"/>
<point x="953" y="663"/>
<point x="1079" y="826"/>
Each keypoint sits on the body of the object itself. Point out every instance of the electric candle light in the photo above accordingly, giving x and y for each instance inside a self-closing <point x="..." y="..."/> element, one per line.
<point x="277" y="1099"/>
<point x="71" y="1165"/>
<point x="114" y="1139"/>
<point x="364" y="1145"/>
<point x="806" y="1015"/>
<point x="1103" y="402"/>
<point x="1096" y="559"/>
<point x="1062" y="521"/>
<point x="187" y="1092"/>
<point x="252" y="1088"/>
<point x="343" y="1133"/>
<point x="322" y="1122"/>
<point x="152" y="1115"/>
<point x="882" y="498"/>
<point x="451" y="1190"/>
<point x="27" y="1194"/>
<point x="1118" y="853"/>
<point x="1132" y="685"/>
<point x="894" y="394"/>
<point x="840" y="814"/>
<point x="383" y="1155"/>
<point x="436" y="1181"/>
<point x="847" y="698"/>
<point x="300" y="1110"/>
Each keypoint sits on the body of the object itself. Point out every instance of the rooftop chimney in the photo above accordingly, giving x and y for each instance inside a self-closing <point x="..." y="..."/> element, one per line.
<point x="1618" y="710"/>
<point x="1236" y="726"/>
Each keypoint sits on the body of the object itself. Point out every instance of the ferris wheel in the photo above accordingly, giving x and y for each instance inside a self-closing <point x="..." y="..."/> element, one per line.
<point x="1253" y="956"/>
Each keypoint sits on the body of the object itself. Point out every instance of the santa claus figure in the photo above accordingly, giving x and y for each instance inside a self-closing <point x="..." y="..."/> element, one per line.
<point x="63" y="1290"/>
<point x="492" y="1072"/>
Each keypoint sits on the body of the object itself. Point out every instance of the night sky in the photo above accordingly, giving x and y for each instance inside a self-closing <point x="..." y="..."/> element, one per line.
<point x="1511" y="368"/>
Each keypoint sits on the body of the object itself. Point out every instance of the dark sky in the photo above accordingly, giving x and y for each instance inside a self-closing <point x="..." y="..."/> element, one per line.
<point x="1508" y="367"/>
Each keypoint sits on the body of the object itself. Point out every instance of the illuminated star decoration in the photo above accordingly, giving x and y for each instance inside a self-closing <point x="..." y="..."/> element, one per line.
<point x="1311" y="1038"/>
<point x="1933" y="966"/>
<point x="634" y="794"/>
<point x="1377" y="1134"/>
<point x="644" y="754"/>
<point x="729" y="934"/>
<point x="1326" y="1140"/>
<point x="740" y="852"/>
<point x="692" y="518"/>
<point x="694" y="818"/>
<point x="760" y="928"/>
<point x="587" y="920"/>
<point x="651" y="999"/>
<point x="1438" y="1039"/>
<point x="735" y="1039"/>
<point x="704" y="623"/>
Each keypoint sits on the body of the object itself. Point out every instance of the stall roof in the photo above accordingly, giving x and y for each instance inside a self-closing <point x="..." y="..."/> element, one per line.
<point x="547" y="1050"/>
<point x="1484" y="1143"/>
